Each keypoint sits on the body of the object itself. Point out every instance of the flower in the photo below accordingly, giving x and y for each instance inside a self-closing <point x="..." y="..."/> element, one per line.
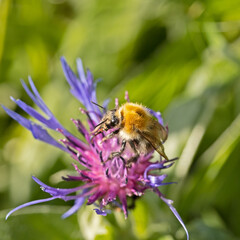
<point x="106" y="184"/>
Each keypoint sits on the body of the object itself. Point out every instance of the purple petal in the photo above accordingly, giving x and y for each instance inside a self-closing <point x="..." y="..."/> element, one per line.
<point x="51" y="123"/>
<point x="74" y="82"/>
<point x="94" y="197"/>
<point x="76" y="143"/>
<point x="37" y="131"/>
<point x="56" y="191"/>
<point x="105" y="105"/>
<point x="82" y="129"/>
<point x="23" y="121"/>
<point x="61" y="194"/>
<point x="157" y="115"/>
<point x="169" y="203"/>
<point x="35" y="96"/>
<point x="41" y="134"/>
<point x="157" y="181"/>
<point x="102" y="212"/>
<point x="159" y="165"/>
<point x="116" y="103"/>
<point x="123" y="199"/>
<point x="29" y="204"/>
<point x="127" y="96"/>
<point x="81" y="73"/>
<point x="78" y="203"/>
<point x="83" y="88"/>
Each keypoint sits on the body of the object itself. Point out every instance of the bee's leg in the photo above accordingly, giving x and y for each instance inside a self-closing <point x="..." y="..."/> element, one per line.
<point x="135" y="157"/>
<point x="116" y="154"/>
<point x="110" y="135"/>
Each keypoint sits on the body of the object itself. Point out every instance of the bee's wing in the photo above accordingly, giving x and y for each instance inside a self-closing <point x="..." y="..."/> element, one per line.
<point x="155" y="142"/>
<point x="162" y="131"/>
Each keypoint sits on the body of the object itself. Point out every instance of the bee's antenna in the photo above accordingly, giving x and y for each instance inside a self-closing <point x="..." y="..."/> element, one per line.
<point x="98" y="105"/>
<point x="101" y="123"/>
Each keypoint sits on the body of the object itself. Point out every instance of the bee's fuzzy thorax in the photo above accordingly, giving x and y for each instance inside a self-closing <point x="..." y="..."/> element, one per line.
<point x="134" y="116"/>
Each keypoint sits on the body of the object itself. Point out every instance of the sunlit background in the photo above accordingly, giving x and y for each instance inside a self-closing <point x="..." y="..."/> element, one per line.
<point x="179" y="57"/>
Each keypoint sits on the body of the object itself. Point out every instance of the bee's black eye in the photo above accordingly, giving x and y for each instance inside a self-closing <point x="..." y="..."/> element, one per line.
<point x="114" y="120"/>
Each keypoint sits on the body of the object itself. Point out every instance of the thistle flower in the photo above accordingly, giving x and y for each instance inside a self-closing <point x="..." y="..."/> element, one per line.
<point x="106" y="184"/>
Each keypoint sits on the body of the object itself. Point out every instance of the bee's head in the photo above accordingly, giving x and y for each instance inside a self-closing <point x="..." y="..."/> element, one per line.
<point x="109" y="121"/>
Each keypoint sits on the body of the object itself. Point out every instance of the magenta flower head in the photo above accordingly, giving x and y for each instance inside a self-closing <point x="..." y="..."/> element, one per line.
<point x="107" y="182"/>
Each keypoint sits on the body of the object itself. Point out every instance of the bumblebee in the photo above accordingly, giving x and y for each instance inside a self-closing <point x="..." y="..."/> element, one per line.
<point x="133" y="124"/>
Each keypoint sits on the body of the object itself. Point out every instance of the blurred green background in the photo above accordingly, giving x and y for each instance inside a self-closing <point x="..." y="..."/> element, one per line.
<point x="179" y="57"/>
